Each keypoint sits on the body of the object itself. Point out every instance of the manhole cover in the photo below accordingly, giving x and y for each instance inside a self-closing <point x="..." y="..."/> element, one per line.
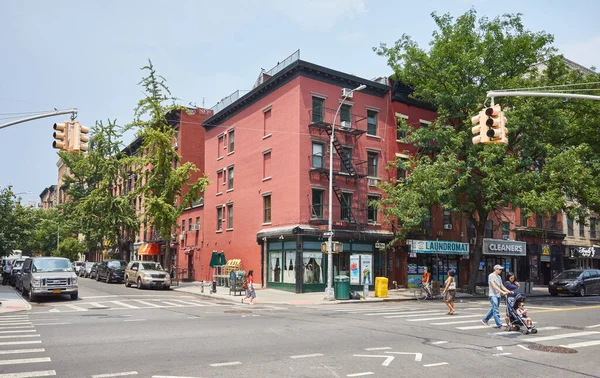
<point x="237" y="312"/>
<point x="552" y="349"/>
<point x="572" y="327"/>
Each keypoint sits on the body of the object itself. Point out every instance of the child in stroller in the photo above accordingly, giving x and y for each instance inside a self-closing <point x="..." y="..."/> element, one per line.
<point x="516" y="315"/>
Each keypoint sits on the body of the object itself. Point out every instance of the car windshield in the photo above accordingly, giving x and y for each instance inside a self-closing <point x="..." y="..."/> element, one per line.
<point x="116" y="264"/>
<point x="18" y="263"/>
<point x="89" y="264"/>
<point x="151" y="266"/>
<point x="569" y="275"/>
<point x="52" y="265"/>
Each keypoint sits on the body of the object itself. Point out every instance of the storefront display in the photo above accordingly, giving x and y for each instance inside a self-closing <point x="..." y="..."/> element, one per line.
<point x="439" y="256"/>
<point x="313" y="267"/>
<point x="366" y="269"/>
<point x="355" y="270"/>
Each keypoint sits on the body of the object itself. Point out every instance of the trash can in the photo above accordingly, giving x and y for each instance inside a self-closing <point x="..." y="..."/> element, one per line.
<point x="381" y="287"/>
<point x="342" y="287"/>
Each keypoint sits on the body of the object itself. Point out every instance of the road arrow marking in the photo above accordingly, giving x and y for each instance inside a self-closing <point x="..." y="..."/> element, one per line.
<point x="438" y="364"/>
<point x="418" y="356"/>
<point x="388" y="359"/>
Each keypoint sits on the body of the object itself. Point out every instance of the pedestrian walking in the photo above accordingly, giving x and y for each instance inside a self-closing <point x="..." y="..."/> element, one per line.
<point x="6" y="271"/>
<point x="512" y="284"/>
<point x="250" y="293"/>
<point x="450" y="291"/>
<point x="495" y="291"/>
<point x="427" y="281"/>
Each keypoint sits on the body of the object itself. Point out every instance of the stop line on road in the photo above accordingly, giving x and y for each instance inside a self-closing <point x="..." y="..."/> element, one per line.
<point x="126" y="304"/>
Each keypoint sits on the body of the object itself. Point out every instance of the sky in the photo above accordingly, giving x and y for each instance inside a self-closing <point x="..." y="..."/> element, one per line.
<point x="88" y="54"/>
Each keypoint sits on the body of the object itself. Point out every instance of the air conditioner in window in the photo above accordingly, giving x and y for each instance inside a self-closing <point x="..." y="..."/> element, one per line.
<point x="505" y="237"/>
<point x="347" y="92"/>
<point x="372" y="182"/>
<point x="447" y="227"/>
<point x="472" y="241"/>
<point x="345" y="124"/>
<point x="181" y="237"/>
<point x="197" y="227"/>
<point x="176" y="145"/>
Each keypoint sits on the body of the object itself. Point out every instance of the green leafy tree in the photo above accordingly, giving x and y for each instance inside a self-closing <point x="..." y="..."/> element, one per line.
<point x="70" y="248"/>
<point x="466" y="58"/>
<point x="9" y="232"/>
<point x="168" y="188"/>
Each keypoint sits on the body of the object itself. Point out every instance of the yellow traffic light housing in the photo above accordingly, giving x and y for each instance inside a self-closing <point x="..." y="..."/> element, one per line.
<point x="61" y="135"/>
<point x="480" y="131"/>
<point x="79" y="138"/>
<point x="497" y="131"/>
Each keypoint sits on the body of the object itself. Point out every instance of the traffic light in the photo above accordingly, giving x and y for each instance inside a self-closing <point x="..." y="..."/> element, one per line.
<point x="481" y="129"/>
<point x="495" y="124"/>
<point x="79" y="138"/>
<point x="62" y="136"/>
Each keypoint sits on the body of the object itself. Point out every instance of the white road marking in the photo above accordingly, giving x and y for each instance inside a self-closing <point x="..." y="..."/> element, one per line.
<point x="43" y="324"/>
<point x="5" y="317"/>
<point x="388" y="359"/>
<point x="413" y="315"/>
<point x="226" y="364"/>
<point x="17" y="327"/>
<point x="444" y="317"/>
<point x="172" y="304"/>
<point x="149" y="304"/>
<point x="96" y="304"/>
<point x="439" y="342"/>
<point x="473" y="327"/>
<point x="399" y="313"/>
<point x="124" y="304"/>
<point x="418" y="356"/>
<point x="367" y="309"/>
<point x="561" y="336"/>
<point x="54" y="310"/>
<point x="14" y="323"/>
<point x="499" y="348"/>
<point x="115" y="374"/>
<point x="17" y="336"/>
<point x="458" y="322"/>
<point x="21" y="342"/>
<point x="15" y="351"/>
<point x="76" y="308"/>
<point x="501" y="354"/>
<point x="30" y="374"/>
<point x="134" y="320"/>
<point x="170" y="376"/>
<point x="25" y="361"/>
<point x="19" y="331"/>
<point x="188" y="303"/>
<point x="582" y="344"/>
<point x="381" y="348"/>
<point x="148" y="296"/>
<point x="523" y="347"/>
<point x="307" y="355"/>
<point x="593" y="326"/>
<point x="360" y="374"/>
<point x="438" y="364"/>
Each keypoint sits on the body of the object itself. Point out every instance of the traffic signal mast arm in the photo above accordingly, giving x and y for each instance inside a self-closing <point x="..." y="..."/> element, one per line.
<point x="73" y="112"/>
<point x="493" y="94"/>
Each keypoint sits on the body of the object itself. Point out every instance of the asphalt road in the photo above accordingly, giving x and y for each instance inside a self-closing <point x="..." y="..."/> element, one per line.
<point x="118" y="331"/>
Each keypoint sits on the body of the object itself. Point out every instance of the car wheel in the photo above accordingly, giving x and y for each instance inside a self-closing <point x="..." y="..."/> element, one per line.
<point x="139" y="283"/>
<point x="74" y="295"/>
<point x="127" y="283"/>
<point x="581" y="292"/>
<point x="24" y="292"/>
<point x="554" y="294"/>
<point x="97" y="277"/>
<point x="107" y="277"/>
<point x="32" y="297"/>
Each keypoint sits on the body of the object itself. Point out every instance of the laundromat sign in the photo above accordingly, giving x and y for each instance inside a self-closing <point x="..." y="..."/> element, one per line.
<point x="441" y="247"/>
<point x="504" y="247"/>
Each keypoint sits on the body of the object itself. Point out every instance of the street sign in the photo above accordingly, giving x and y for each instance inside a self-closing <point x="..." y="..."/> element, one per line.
<point x="327" y="234"/>
<point x="380" y="245"/>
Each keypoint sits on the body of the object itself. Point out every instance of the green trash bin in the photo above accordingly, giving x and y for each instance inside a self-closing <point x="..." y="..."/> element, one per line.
<point x="342" y="287"/>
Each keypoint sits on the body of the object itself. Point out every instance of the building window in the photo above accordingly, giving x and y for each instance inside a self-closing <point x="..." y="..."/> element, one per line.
<point x="267" y="208"/>
<point x="197" y="223"/>
<point x="400" y="128"/>
<point x="346" y="114"/>
<point x="372" y="158"/>
<point x="372" y="209"/>
<point x="219" y="219"/>
<point x="267" y="164"/>
<point x="347" y="157"/>
<point x="182" y="225"/>
<point x="538" y="221"/>
<point x="470" y="229"/>
<point x="220" y="145"/>
<point x="581" y="227"/>
<point x="570" y="226"/>
<point x="346" y="207"/>
<point x="230" y="216"/>
<point x="317" y="203"/>
<point x="318" y="109"/>
<point x="489" y="229"/>
<point x="553" y="221"/>
<point x="426" y="224"/>
<point x="190" y="225"/>
<point x="400" y="169"/>
<point x="447" y="217"/>
<point x="220" y="180"/>
<point x="267" y="123"/>
<point x="229" y="178"/>
<point x="317" y="155"/>
<point x="592" y="228"/>
<point x="371" y="122"/>
<point x="523" y="218"/>
<point x="505" y="230"/>
<point x="231" y="140"/>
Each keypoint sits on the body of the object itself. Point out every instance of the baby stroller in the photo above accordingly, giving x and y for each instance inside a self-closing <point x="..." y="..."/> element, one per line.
<point x="516" y="323"/>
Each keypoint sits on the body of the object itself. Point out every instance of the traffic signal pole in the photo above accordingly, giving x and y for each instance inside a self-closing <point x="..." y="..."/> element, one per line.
<point x="72" y="111"/>
<point x="493" y="94"/>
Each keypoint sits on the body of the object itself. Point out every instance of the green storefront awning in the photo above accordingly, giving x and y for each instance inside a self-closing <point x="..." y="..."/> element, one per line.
<point x="217" y="259"/>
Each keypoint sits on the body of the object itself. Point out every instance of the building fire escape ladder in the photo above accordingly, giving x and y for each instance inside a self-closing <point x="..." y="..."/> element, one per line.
<point x="343" y="157"/>
<point x="338" y="193"/>
<point x="350" y="169"/>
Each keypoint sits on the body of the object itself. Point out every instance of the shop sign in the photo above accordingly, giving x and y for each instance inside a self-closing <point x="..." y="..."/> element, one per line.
<point x="585" y="252"/>
<point x="504" y="247"/>
<point x="366" y="269"/>
<point x="438" y="247"/>
<point x="380" y="245"/>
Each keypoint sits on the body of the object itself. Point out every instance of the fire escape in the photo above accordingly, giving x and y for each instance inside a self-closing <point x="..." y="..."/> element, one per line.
<point x="344" y="168"/>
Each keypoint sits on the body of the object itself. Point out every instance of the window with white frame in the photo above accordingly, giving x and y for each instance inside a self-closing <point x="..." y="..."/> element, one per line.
<point x="231" y="140"/>
<point x="229" y="216"/>
<point x="372" y="163"/>
<point x="372" y="209"/>
<point x="220" y="218"/>
<point x="371" y="122"/>
<point x="317" y="155"/>
<point x="230" y="178"/>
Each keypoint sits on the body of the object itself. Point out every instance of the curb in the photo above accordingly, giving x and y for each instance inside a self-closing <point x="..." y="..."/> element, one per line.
<point x="26" y="308"/>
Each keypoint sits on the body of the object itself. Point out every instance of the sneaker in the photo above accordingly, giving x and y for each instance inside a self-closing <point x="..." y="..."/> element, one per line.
<point x="484" y="322"/>
<point x="499" y="327"/>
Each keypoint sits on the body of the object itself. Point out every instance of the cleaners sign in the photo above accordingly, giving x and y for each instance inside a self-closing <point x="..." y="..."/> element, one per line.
<point x="504" y="247"/>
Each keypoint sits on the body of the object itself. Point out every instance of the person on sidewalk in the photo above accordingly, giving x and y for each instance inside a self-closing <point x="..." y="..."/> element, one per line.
<point x="250" y="293"/>
<point x="449" y="292"/>
<point x="495" y="291"/>
<point x="6" y="271"/>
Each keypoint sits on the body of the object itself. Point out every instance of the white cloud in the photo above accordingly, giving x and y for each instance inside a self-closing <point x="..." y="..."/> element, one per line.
<point x="320" y="15"/>
<point x="585" y="52"/>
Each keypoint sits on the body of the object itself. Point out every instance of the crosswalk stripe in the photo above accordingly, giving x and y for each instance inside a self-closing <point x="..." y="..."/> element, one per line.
<point x="14" y="323"/>
<point x="172" y="304"/>
<point x="17" y="336"/>
<point x="19" y="331"/>
<point x="18" y="327"/>
<point x="20" y="342"/>
<point x="443" y="317"/>
<point x="19" y="351"/>
<point x="76" y="308"/>
<point x="413" y="315"/>
<point x="457" y="322"/>
<point x="96" y="305"/>
<point x="25" y="361"/>
<point x="149" y="304"/>
<point x="12" y="317"/>
<point x="582" y="344"/>
<point x="399" y="313"/>
<point x="30" y="374"/>
<point x="473" y="327"/>
<point x="189" y="303"/>
<point x="124" y="304"/>
<point x="556" y="337"/>
<point x="367" y="309"/>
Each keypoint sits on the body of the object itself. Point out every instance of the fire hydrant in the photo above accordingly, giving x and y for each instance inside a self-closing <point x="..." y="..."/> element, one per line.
<point x="202" y="286"/>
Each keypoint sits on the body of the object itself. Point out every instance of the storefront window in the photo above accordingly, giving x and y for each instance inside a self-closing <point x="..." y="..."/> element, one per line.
<point x="289" y="271"/>
<point x="275" y="264"/>
<point x="313" y="267"/>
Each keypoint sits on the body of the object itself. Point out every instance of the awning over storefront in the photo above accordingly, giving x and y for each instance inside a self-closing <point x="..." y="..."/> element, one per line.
<point x="501" y="247"/>
<point x="149" y="249"/>
<point x="440" y="247"/>
<point x="217" y="259"/>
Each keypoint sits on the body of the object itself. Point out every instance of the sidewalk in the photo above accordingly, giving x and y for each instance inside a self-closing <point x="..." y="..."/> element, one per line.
<point x="11" y="300"/>
<point x="273" y="296"/>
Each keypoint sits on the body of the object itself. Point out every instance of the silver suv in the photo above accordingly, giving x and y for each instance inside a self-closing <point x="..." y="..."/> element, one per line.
<point x="48" y="276"/>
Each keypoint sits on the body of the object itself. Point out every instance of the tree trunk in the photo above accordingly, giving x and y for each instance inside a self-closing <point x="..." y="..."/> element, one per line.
<point x="477" y="250"/>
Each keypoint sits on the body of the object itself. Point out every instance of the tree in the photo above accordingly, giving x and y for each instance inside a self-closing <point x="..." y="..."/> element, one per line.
<point x="167" y="189"/>
<point x="70" y="248"/>
<point x="466" y="58"/>
<point x="8" y="229"/>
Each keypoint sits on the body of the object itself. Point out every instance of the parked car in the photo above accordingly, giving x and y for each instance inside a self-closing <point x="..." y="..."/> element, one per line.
<point x="576" y="281"/>
<point x="147" y="274"/>
<point x="48" y="276"/>
<point x="111" y="271"/>
<point x="15" y="275"/>
<point x="94" y="270"/>
<point x="77" y="266"/>
<point x="85" y="270"/>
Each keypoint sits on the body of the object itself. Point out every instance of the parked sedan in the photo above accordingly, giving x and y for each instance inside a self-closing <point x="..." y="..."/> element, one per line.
<point x="576" y="281"/>
<point x="111" y="271"/>
<point x="94" y="270"/>
<point x="86" y="269"/>
<point x="147" y="274"/>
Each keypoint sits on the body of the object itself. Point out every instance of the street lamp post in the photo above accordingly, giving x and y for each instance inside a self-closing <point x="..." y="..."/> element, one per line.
<point x="329" y="294"/>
